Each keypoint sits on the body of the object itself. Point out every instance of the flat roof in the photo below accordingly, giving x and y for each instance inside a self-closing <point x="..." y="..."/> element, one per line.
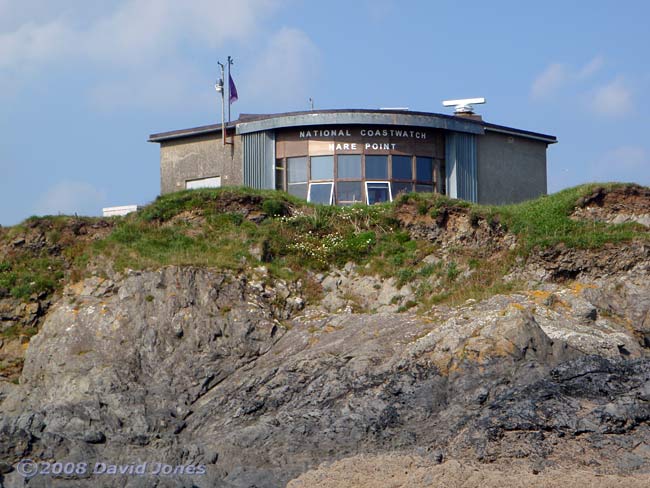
<point x="247" y="123"/>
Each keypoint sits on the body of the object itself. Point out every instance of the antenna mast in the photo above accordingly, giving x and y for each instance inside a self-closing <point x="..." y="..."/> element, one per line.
<point x="230" y="63"/>
<point x="219" y="86"/>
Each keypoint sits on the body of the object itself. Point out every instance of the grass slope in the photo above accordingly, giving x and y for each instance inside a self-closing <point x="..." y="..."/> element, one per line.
<point x="237" y="228"/>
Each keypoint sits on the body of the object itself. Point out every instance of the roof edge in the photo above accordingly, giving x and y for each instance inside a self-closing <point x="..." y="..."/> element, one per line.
<point x="521" y="133"/>
<point x="247" y="123"/>
<point x="359" y="117"/>
<point x="191" y="132"/>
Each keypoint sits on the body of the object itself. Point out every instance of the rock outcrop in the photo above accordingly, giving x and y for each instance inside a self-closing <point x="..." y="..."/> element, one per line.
<point x="187" y="366"/>
<point x="267" y="375"/>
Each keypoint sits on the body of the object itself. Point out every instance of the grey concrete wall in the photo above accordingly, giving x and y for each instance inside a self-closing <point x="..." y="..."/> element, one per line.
<point x="511" y="169"/>
<point x="200" y="157"/>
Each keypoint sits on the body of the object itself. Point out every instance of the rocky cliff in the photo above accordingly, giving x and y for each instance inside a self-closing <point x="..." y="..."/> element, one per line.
<point x="254" y="379"/>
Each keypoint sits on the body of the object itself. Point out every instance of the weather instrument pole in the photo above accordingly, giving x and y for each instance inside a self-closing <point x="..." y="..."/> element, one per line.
<point x="219" y="86"/>
<point x="230" y="63"/>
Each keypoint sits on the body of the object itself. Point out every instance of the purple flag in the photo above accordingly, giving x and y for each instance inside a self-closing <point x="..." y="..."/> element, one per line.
<point x="232" y="89"/>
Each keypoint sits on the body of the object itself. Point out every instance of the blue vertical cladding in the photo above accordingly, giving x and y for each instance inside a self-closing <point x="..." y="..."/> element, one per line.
<point x="461" y="165"/>
<point x="259" y="159"/>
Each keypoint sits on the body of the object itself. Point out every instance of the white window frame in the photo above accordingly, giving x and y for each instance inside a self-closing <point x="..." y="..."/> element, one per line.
<point x="390" y="191"/>
<point x="198" y="181"/>
<point x="331" y="183"/>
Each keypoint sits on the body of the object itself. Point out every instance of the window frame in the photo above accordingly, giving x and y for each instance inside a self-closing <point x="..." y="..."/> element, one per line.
<point x="191" y="182"/>
<point x="331" y="199"/>
<point x="350" y="202"/>
<point x="365" y="164"/>
<point x="310" y="168"/>
<point x="433" y="170"/>
<point x="390" y="193"/>
<point x="391" y="167"/>
<point x="350" y="178"/>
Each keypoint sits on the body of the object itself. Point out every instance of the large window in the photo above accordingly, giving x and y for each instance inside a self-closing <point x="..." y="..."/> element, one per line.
<point x="376" y="167"/>
<point x="424" y="169"/>
<point x="378" y="191"/>
<point x="321" y="193"/>
<point x="297" y="176"/>
<point x="348" y="192"/>
<point x="349" y="166"/>
<point x="322" y="167"/>
<point x="399" y="187"/>
<point x="402" y="168"/>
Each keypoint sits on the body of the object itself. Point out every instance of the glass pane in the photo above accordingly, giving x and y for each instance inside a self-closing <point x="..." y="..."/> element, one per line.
<point x="402" y="169"/>
<point x="299" y="190"/>
<point x="377" y="192"/>
<point x="349" y="165"/>
<point x="348" y="191"/>
<point x="424" y="169"/>
<point x="401" y="188"/>
<point x="297" y="168"/>
<point x="322" y="167"/>
<point x="320" y="192"/>
<point x="376" y="167"/>
<point x="424" y="188"/>
<point x="279" y="176"/>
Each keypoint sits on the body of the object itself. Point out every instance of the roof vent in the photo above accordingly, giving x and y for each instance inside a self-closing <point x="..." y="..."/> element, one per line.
<point x="464" y="105"/>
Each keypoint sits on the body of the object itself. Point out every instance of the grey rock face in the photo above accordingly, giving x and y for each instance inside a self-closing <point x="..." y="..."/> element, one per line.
<point x="192" y="367"/>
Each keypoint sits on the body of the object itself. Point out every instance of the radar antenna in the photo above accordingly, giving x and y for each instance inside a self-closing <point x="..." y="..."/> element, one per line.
<point x="464" y="105"/>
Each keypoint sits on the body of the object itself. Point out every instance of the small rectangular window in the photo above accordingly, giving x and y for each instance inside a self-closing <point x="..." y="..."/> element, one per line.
<point x="424" y="169"/>
<point x="321" y="193"/>
<point x="348" y="192"/>
<point x="297" y="177"/>
<point x="322" y="168"/>
<point x="376" y="167"/>
<point x="402" y="168"/>
<point x="212" y="182"/>
<point x="349" y="166"/>
<point x="377" y="192"/>
<point x="279" y="175"/>
<point x="298" y="190"/>
<point x="297" y="170"/>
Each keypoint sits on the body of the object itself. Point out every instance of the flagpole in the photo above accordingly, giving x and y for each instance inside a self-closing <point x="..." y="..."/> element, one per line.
<point x="221" y="87"/>
<point x="229" y="63"/>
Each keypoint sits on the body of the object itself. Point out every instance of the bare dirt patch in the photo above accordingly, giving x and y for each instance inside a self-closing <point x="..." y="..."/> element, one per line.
<point x="630" y="203"/>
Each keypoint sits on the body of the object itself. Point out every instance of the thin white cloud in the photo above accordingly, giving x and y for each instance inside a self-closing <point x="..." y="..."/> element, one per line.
<point x="558" y="75"/>
<point x="554" y="76"/>
<point x="284" y="72"/>
<point x="613" y="99"/>
<point x="132" y="40"/>
<point x="31" y="44"/>
<point x="70" y="197"/>
<point x="591" y="68"/>
<point x="625" y="163"/>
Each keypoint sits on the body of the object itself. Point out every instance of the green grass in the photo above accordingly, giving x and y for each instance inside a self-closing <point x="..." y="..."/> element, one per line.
<point x="26" y="275"/>
<point x="545" y="221"/>
<point x="208" y="201"/>
<point x="16" y="331"/>
<point x="215" y="228"/>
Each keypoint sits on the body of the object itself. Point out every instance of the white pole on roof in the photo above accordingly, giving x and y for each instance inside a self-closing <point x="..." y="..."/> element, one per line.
<point x="219" y="86"/>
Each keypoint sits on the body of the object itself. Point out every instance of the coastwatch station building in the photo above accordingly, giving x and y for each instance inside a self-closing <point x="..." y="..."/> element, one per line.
<point x="348" y="155"/>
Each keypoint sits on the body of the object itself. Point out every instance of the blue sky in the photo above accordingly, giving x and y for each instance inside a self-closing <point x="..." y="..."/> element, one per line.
<point x="82" y="84"/>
